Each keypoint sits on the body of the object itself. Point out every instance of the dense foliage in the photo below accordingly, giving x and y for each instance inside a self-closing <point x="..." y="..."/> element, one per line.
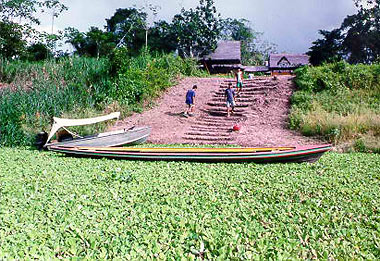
<point x="128" y="25"/>
<point x="197" y="30"/>
<point x="94" y="43"/>
<point x="338" y="101"/>
<point x="38" y="91"/>
<point x="28" y="9"/>
<point x="328" y="49"/>
<point x="61" y="207"/>
<point x="254" y="50"/>
<point x="357" y="40"/>
<point x="15" y="37"/>
<point x="192" y="32"/>
<point x="79" y="87"/>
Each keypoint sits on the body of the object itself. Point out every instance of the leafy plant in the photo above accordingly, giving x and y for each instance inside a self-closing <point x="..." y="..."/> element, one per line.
<point x="60" y="207"/>
<point x="337" y="101"/>
<point x="80" y="87"/>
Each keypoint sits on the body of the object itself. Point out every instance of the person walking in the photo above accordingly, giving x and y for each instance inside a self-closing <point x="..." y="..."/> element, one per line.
<point x="239" y="80"/>
<point x="190" y="101"/>
<point x="229" y="94"/>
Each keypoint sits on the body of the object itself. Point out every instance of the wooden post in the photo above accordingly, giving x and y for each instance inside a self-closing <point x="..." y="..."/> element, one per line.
<point x="207" y="67"/>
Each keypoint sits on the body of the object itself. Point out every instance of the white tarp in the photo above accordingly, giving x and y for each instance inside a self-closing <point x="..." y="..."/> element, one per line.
<point x="59" y="122"/>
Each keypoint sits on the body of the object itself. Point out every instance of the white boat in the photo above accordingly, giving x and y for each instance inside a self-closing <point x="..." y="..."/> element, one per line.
<point x="131" y="136"/>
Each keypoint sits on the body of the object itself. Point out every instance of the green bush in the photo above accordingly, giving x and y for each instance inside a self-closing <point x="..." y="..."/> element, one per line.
<point x="80" y="87"/>
<point x="303" y="99"/>
<point x="144" y="77"/>
<point x="337" y="101"/>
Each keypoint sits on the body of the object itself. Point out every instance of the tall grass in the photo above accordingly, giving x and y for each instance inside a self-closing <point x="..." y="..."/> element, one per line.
<point x="79" y="87"/>
<point x="339" y="102"/>
<point x="39" y="91"/>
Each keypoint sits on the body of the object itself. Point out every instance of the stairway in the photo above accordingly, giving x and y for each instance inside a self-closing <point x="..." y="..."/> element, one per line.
<point x="213" y="125"/>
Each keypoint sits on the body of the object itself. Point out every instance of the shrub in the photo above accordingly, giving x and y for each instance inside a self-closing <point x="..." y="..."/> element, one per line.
<point x="144" y="77"/>
<point x="80" y="87"/>
<point x="337" y="101"/>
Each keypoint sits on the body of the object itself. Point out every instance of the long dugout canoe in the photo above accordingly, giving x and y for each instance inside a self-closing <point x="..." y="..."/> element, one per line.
<point x="257" y="155"/>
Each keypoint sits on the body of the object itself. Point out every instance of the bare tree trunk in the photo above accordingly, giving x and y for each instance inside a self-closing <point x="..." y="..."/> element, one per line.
<point x="146" y="38"/>
<point x="97" y="51"/>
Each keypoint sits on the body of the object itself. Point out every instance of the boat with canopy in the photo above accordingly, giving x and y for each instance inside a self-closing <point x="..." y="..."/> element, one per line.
<point x="134" y="135"/>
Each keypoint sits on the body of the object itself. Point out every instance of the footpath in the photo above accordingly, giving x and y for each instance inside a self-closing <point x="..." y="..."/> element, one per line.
<point x="261" y="112"/>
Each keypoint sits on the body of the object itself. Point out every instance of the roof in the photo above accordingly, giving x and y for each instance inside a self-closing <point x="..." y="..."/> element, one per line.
<point x="226" y="52"/>
<point x="250" y="69"/>
<point x="232" y="66"/>
<point x="285" y="60"/>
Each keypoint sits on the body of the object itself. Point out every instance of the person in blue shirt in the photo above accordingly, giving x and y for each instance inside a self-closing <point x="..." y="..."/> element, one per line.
<point x="229" y="93"/>
<point x="190" y="101"/>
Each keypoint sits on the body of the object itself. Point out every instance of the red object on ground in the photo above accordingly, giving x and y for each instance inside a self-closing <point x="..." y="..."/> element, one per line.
<point x="236" y="128"/>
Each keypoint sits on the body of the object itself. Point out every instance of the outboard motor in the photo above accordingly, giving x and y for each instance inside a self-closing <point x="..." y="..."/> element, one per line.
<point x="64" y="136"/>
<point x="41" y="139"/>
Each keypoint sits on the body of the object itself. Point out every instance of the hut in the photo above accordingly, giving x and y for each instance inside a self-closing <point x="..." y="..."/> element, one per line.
<point x="285" y="64"/>
<point x="226" y="57"/>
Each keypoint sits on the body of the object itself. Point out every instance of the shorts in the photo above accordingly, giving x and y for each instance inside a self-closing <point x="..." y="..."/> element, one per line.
<point x="239" y="84"/>
<point x="189" y="102"/>
<point x="230" y="104"/>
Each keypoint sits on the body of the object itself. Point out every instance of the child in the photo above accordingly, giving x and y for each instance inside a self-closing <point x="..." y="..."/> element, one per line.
<point x="239" y="80"/>
<point x="229" y="93"/>
<point x="190" y="101"/>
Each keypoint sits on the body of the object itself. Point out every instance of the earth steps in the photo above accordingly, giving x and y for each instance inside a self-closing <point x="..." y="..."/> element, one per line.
<point x="215" y="127"/>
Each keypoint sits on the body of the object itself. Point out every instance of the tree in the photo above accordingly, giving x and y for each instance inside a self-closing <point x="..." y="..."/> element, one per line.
<point x="197" y="30"/>
<point x="362" y="33"/>
<point x="37" y="52"/>
<point x="162" y="37"/>
<point x="237" y="29"/>
<point x="151" y="11"/>
<point x="11" y="40"/>
<point x="27" y="9"/>
<point x="102" y="42"/>
<point x="77" y="39"/>
<point x="94" y="43"/>
<point x="254" y="50"/>
<point x="128" y="25"/>
<point x="357" y="40"/>
<point x="16" y="20"/>
<point x="328" y="49"/>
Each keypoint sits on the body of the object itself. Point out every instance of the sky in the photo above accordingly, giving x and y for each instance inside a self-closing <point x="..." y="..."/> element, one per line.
<point x="290" y="24"/>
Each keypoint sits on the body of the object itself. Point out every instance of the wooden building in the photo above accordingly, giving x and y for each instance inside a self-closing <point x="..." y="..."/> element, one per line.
<point x="225" y="58"/>
<point x="285" y="64"/>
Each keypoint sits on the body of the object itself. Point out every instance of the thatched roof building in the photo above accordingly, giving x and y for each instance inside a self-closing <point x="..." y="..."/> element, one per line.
<point x="225" y="58"/>
<point x="287" y="61"/>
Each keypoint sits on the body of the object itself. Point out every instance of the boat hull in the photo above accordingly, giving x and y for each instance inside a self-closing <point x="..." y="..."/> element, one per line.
<point x="109" y="139"/>
<point x="257" y="155"/>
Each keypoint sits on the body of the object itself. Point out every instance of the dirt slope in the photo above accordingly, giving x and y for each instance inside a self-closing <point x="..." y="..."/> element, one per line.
<point x="261" y="111"/>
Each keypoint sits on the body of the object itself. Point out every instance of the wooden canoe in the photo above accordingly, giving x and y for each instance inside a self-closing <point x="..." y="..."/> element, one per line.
<point x="257" y="155"/>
